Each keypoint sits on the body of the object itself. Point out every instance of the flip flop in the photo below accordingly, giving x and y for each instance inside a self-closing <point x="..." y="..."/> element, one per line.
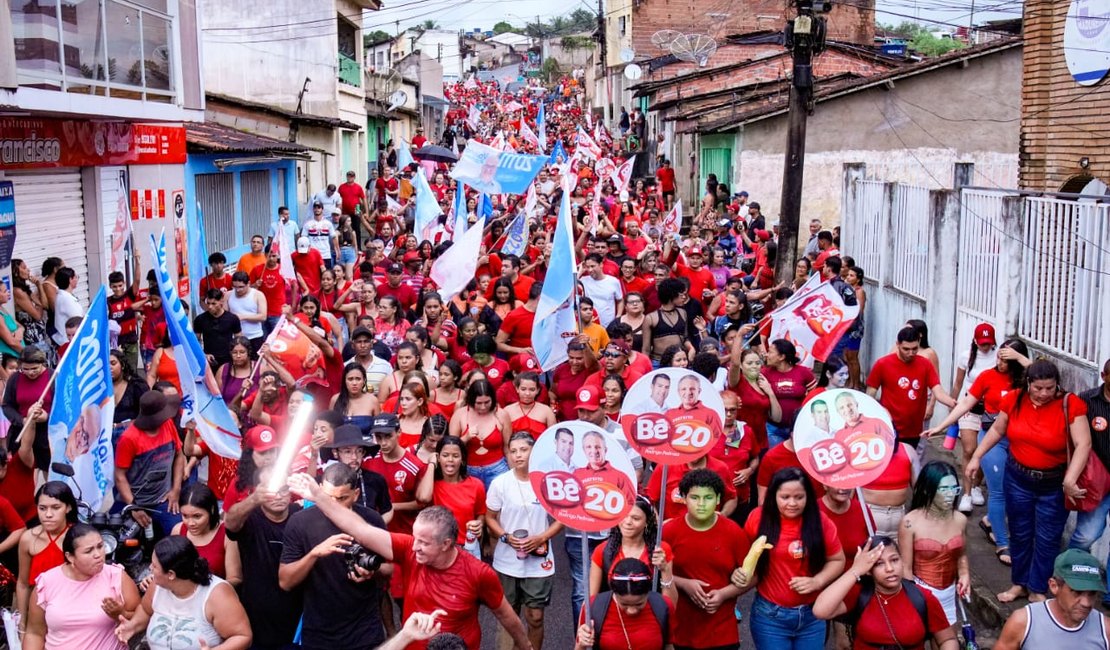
<point x="989" y="530"/>
<point x="1004" y="552"/>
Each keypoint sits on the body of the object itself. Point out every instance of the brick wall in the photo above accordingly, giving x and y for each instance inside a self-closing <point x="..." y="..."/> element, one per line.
<point x="846" y="22"/>
<point x="1061" y="120"/>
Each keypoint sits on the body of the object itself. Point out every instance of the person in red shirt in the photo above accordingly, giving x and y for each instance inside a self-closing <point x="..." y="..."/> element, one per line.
<point x="309" y="266"/>
<point x="707" y="548"/>
<point x="665" y="176"/>
<point x="217" y="278"/>
<point x="123" y="308"/>
<point x="419" y="140"/>
<point x="901" y="380"/>
<point x="598" y="469"/>
<point x="388" y="186"/>
<point x="395" y="286"/>
<point x="702" y="283"/>
<point x="515" y="334"/>
<point x="736" y="449"/>
<point x="353" y="196"/>
<point x="629" y="614"/>
<point x="569" y="377"/>
<point x="268" y="279"/>
<point x="806" y="556"/>
<point x="614" y="361"/>
<point x="674" y="505"/>
<point x="439" y="575"/>
<point x="630" y="282"/>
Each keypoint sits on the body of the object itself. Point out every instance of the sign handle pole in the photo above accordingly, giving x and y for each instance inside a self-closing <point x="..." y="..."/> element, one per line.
<point x="659" y="518"/>
<point x="866" y="513"/>
<point x="586" y="562"/>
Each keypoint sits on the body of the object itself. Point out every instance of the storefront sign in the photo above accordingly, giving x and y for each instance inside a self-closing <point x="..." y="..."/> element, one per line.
<point x="672" y="416"/>
<point x="181" y="238"/>
<point x="36" y="143"/>
<point x="843" y="438"/>
<point x="7" y="223"/>
<point x="581" y="476"/>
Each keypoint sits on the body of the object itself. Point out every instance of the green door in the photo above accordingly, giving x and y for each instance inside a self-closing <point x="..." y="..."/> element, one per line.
<point x="716" y="158"/>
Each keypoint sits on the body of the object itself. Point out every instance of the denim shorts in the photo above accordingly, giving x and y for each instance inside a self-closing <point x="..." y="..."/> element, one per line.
<point x="347" y="255"/>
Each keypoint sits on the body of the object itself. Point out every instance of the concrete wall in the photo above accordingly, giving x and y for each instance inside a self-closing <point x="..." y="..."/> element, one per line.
<point x="442" y="45"/>
<point x="913" y="133"/>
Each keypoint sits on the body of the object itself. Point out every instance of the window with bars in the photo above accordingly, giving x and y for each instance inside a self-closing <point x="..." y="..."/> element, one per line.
<point x="254" y="188"/>
<point x="216" y="197"/>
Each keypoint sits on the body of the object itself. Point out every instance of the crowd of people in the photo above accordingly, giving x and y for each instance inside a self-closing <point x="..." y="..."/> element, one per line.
<point x="410" y="505"/>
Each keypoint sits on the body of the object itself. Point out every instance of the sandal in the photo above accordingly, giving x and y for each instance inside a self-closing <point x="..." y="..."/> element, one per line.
<point x="989" y="530"/>
<point x="1004" y="552"/>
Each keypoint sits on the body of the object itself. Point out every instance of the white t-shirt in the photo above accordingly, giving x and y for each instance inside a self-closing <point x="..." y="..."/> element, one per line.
<point x="65" y="307"/>
<point x="518" y="508"/>
<point x="319" y="235"/>
<point x="330" y="202"/>
<point x="982" y="362"/>
<point x="605" y="293"/>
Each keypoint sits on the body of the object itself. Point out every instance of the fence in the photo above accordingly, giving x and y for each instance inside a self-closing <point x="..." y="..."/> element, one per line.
<point x="1034" y="266"/>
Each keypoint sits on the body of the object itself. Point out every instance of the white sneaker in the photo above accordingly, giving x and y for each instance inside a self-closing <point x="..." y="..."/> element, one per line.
<point x="965" y="503"/>
<point x="977" y="498"/>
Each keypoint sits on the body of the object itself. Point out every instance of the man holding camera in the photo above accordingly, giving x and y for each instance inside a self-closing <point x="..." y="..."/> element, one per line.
<point x="342" y="599"/>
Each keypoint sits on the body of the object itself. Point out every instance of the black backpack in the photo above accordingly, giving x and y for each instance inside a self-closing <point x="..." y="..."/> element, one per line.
<point x="867" y="591"/>
<point x="600" y="608"/>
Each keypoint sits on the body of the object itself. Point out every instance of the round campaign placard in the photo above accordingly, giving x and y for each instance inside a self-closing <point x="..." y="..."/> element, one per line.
<point x="843" y="438"/>
<point x="582" y="476"/>
<point x="672" y="416"/>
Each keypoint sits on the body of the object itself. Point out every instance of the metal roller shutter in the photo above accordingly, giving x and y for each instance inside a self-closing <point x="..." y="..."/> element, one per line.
<point x="50" y="222"/>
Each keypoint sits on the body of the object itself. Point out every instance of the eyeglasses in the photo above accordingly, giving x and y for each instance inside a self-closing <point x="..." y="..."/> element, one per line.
<point x="610" y="354"/>
<point x="948" y="488"/>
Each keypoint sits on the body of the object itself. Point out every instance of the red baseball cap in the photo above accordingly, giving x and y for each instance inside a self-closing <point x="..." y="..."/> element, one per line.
<point x="411" y="256"/>
<point x="984" y="334"/>
<point x="589" y="398"/>
<point x="694" y="251"/>
<point x="524" y="362"/>
<point x="261" y="438"/>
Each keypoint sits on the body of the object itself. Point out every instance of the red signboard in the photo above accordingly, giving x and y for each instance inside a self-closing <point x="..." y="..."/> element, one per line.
<point x="31" y="143"/>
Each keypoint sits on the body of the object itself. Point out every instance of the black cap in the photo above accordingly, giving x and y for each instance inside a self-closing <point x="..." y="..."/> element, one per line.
<point x="395" y="267"/>
<point x="385" y="423"/>
<point x="360" y="331"/>
<point x="318" y="204"/>
<point x="348" y="435"/>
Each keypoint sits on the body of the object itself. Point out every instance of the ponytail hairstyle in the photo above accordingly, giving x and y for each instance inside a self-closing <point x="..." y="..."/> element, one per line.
<point x="176" y="553"/>
<point x="1015" y="370"/>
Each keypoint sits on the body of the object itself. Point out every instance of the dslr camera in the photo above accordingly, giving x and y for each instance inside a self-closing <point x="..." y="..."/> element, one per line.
<point x="357" y="556"/>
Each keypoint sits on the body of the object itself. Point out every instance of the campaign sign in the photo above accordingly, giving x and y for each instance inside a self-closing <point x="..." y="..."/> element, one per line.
<point x="582" y="476"/>
<point x="843" y="438"/>
<point x="7" y="223"/>
<point x="672" y="416"/>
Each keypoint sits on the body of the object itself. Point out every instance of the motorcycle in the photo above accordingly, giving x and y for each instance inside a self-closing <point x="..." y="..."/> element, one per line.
<point x="126" y="543"/>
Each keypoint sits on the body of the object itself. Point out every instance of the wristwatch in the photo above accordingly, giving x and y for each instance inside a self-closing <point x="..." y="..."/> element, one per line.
<point x="504" y="539"/>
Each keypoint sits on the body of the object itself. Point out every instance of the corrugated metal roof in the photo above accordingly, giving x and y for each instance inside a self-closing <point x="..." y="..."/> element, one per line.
<point x="209" y="137"/>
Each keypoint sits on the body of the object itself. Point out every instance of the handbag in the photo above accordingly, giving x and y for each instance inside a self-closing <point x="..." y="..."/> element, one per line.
<point x="1094" y="478"/>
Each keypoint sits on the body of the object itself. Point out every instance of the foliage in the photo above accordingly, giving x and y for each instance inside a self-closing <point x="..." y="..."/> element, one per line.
<point x="577" y="21"/>
<point x="576" y="42"/>
<point x="376" y="36"/>
<point x="428" y="24"/>
<point x="921" y="40"/>
<point x="550" y="70"/>
<point x="503" y="27"/>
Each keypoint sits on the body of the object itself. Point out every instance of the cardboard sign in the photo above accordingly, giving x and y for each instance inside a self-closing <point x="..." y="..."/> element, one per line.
<point x="582" y="477"/>
<point x="672" y="416"/>
<point x="844" y="438"/>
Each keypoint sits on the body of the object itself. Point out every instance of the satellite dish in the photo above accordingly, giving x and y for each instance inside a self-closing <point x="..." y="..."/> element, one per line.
<point x="695" y="48"/>
<point x="397" y="99"/>
<point x="633" y="72"/>
<point x="663" y="38"/>
<point x="627" y="54"/>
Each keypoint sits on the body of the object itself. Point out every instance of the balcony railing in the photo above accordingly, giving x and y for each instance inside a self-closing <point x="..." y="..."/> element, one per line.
<point x="349" y="72"/>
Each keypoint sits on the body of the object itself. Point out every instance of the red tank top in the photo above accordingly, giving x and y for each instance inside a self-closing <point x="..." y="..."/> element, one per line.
<point x="47" y="558"/>
<point x="526" y="423"/>
<point x="897" y="475"/>
<point x="214" y="551"/>
<point x="167" y="370"/>
<point x="493" y="444"/>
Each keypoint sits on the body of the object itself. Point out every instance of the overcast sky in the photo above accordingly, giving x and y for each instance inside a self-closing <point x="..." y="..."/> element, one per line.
<point x="470" y="14"/>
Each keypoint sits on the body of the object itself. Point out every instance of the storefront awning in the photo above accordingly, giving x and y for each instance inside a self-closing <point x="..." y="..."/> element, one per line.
<point x="216" y="138"/>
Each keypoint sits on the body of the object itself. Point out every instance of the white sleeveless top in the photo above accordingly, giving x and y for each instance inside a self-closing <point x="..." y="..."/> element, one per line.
<point x="245" y="305"/>
<point x="180" y="622"/>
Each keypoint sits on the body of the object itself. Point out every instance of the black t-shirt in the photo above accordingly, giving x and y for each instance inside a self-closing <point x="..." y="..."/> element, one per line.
<point x="273" y="613"/>
<point x="338" y="613"/>
<point x="217" y="333"/>
<point x="375" y="492"/>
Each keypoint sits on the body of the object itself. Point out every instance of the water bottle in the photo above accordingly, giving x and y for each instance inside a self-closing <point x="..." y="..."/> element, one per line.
<point x="148" y="531"/>
<point x="951" y="436"/>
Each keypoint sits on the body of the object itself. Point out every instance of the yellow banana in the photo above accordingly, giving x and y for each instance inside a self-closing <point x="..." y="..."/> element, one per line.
<point x="758" y="546"/>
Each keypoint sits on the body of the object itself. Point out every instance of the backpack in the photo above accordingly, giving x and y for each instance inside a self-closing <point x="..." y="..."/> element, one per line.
<point x="867" y="591"/>
<point x="599" y="609"/>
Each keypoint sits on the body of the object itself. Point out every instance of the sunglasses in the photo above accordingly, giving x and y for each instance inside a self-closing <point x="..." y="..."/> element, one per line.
<point x="612" y="354"/>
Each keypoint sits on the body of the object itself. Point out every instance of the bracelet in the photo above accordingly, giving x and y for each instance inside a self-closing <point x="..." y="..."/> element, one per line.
<point x="855" y="575"/>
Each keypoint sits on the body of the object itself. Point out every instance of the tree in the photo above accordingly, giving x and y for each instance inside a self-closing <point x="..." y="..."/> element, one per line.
<point x="429" y="24"/>
<point x="376" y="36"/>
<point x="582" y="20"/>
<point x="927" y="44"/>
<point x="503" y="27"/>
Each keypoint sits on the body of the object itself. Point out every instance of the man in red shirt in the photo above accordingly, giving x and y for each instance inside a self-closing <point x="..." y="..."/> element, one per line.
<point x="665" y="176"/>
<point x="438" y="574"/>
<point x="630" y="282"/>
<point x="510" y="268"/>
<point x="707" y="547"/>
<point x="268" y="279"/>
<point x="634" y="240"/>
<point x="395" y="286"/>
<point x="419" y="140"/>
<point x="353" y="196"/>
<point x="217" y="279"/>
<point x="702" y="283"/>
<point x="827" y="249"/>
<point x="515" y="335"/>
<point x="614" y="361"/>
<point x="902" y="381"/>
<point x="309" y="266"/>
<point x="388" y="186"/>
<point x="598" y="469"/>
<point x="401" y="468"/>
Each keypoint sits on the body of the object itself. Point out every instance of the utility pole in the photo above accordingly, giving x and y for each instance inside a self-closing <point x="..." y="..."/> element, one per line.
<point x="604" y="42"/>
<point x="805" y="36"/>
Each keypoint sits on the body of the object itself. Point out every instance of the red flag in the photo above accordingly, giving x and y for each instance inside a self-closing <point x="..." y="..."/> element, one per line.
<point x="813" y="319"/>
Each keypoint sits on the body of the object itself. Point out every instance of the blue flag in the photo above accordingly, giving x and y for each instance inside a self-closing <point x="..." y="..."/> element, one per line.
<point x="516" y="237"/>
<point x="199" y="402"/>
<point x="558" y="151"/>
<point x="555" y="319"/>
<point x="198" y="260"/>
<point x="541" y="128"/>
<point x="80" y="423"/>
<point x="496" y="172"/>
<point x="485" y="206"/>
<point x="427" y="208"/>
<point x="404" y="155"/>
<point x="460" y="212"/>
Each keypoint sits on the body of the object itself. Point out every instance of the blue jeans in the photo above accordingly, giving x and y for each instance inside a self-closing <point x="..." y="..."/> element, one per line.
<point x="776" y="435"/>
<point x="1036" y="516"/>
<point x="269" y="325"/>
<point x="573" y="547"/>
<point x="993" y="466"/>
<point x="487" y="473"/>
<point x="785" y="628"/>
<point x="1089" y="527"/>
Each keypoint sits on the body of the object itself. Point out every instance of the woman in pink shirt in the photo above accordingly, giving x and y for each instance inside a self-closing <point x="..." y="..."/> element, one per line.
<point x="78" y="604"/>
